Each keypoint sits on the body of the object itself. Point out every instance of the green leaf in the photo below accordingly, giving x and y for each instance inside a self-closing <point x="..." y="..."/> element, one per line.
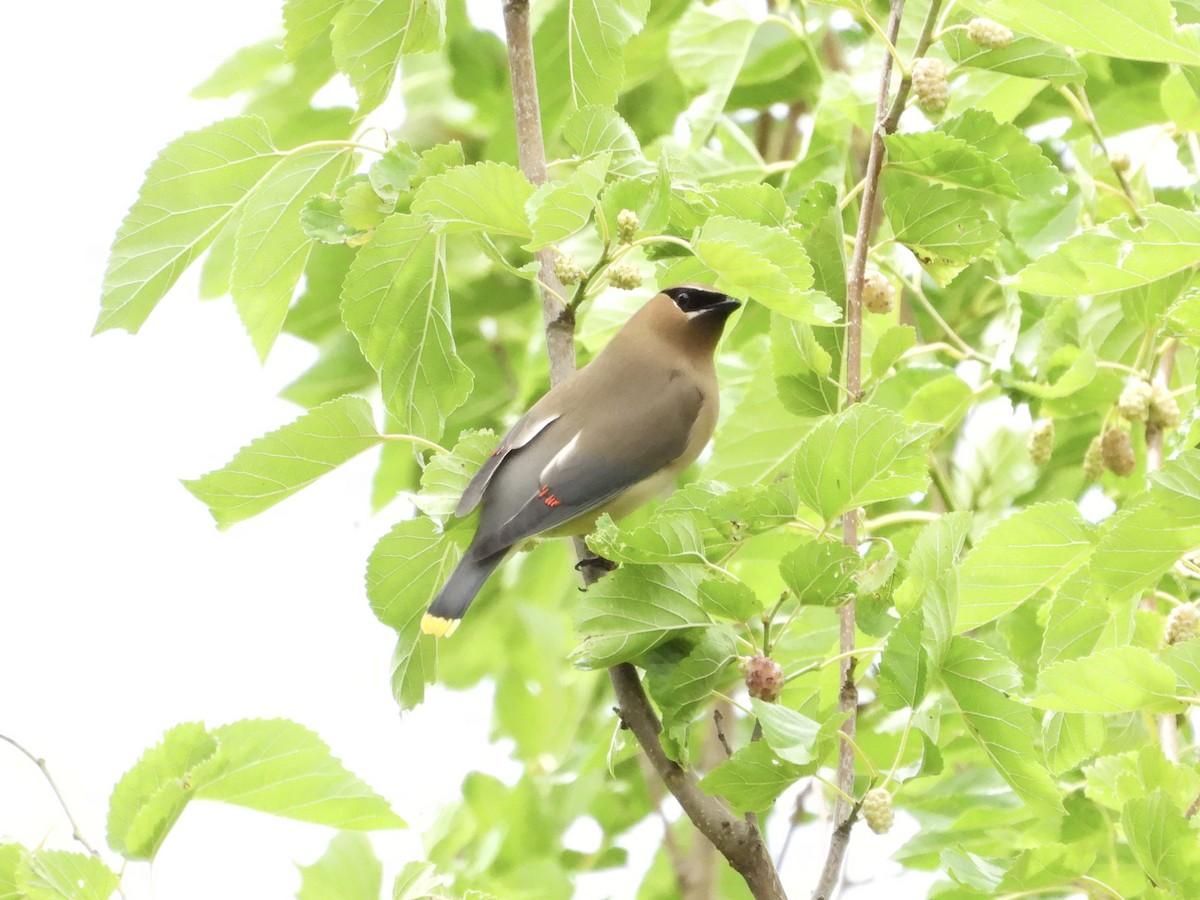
<point x="932" y="583"/>
<point x="1184" y="660"/>
<point x="791" y="735"/>
<point x="416" y="881"/>
<point x="347" y="870"/>
<point x="1142" y="541"/>
<point x="1070" y="738"/>
<point x="904" y="664"/>
<point x="1120" y="679"/>
<point x="405" y="570"/>
<point x="567" y="207"/>
<point x="393" y="173"/>
<point x="752" y="779"/>
<point x="944" y="228"/>
<point x="396" y="301"/>
<point x="190" y="191"/>
<point x="821" y="573"/>
<point x="246" y="70"/>
<point x="278" y="464"/>
<point x="730" y="600"/>
<point x="594" y="130"/>
<point x="370" y="36"/>
<point x="12" y="856"/>
<point x="758" y="439"/>
<point x="1130" y="29"/>
<point x="597" y="32"/>
<point x="707" y="49"/>
<point x="981" y="683"/>
<point x="682" y="688"/>
<point x="1033" y="550"/>
<point x="892" y="345"/>
<point x="862" y="455"/>
<point x="272" y="247"/>
<point x="752" y="201"/>
<point x="152" y="795"/>
<point x="1025" y="57"/>
<point x="304" y="21"/>
<point x="445" y="476"/>
<point x="768" y="264"/>
<point x="939" y="159"/>
<point x="1079" y="372"/>
<point x="487" y="196"/>
<point x="664" y="539"/>
<point x="60" y="875"/>
<point x="635" y="609"/>
<point x="1117" y="255"/>
<point x="279" y="767"/>
<point x="1115" y="780"/>
<point x="1163" y="843"/>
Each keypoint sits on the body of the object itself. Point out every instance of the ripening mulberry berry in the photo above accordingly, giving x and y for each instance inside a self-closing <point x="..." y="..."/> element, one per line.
<point x="567" y="270"/>
<point x="627" y="226"/>
<point x="1041" y="442"/>
<point x="930" y="85"/>
<point x="989" y="34"/>
<point x="1093" y="460"/>
<point x="877" y="809"/>
<point x="1135" y="401"/>
<point x="1164" y="410"/>
<point x="764" y="678"/>
<point x="1117" y="451"/>
<point x="1183" y="624"/>
<point x="877" y="293"/>
<point x="624" y="277"/>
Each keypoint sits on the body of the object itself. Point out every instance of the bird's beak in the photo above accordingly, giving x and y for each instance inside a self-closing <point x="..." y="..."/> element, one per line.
<point x="725" y="307"/>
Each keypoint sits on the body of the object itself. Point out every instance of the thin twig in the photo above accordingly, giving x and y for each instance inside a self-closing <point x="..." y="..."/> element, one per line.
<point x="1079" y="102"/>
<point x="892" y="119"/>
<point x="844" y="812"/>
<point x="62" y="802"/>
<point x="738" y="841"/>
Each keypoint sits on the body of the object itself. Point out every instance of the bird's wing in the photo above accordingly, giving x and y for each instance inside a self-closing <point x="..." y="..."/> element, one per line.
<point x="584" y="459"/>
<point x="526" y="429"/>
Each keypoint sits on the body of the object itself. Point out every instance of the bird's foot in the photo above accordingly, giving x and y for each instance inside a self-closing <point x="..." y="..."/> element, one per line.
<point x="595" y="562"/>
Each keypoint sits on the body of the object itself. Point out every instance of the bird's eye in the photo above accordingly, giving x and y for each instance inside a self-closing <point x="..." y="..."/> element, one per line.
<point x="682" y="297"/>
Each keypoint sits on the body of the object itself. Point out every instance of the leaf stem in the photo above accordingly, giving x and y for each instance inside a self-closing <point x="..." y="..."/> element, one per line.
<point x="813" y="667"/>
<point x="901" y="517"/>
<point x="1083" y="109"/>
<point x="413" y="439"/>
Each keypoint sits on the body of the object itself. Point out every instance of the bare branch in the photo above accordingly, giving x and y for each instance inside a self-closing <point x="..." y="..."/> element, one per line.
<point x="738" y="841"/>
<point x="844" y="814"/>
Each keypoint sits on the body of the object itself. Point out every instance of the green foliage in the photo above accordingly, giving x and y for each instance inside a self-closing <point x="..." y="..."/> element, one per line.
<point x="1009" y="653"/>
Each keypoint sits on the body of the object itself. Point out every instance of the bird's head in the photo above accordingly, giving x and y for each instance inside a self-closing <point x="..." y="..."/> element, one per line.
<point x="702" y="302"/>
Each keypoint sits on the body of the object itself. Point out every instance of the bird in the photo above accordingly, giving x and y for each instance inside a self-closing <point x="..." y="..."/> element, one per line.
<point x="609" y="438"/>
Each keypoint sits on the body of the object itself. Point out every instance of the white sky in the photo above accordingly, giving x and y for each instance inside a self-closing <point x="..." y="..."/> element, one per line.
<point x="123" y="611"/>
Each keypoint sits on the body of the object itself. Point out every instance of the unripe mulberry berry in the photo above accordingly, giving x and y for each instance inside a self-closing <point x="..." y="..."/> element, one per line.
<point x="567" y="270"/>
<point x="877" y="809"/>
<point x="1164" y="410"/>
<point x="989" y="34"/>
<point x="1093" y="460"/>
<point x="1041" y="442"/>
<point x="1120" y="161"/>
<point x="1117" y="451"/>
<point x="624" y="277"/>
<point x="1183" y="624"/>
<point x="877" y="293"/>
<point x="930" y="85"/>
<point x="627" y="226"/>
<point x="764" y="678"/>
<point x="1135" y="401"/>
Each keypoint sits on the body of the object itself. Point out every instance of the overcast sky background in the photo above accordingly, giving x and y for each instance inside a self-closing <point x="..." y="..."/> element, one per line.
<point x="123" y="611"/>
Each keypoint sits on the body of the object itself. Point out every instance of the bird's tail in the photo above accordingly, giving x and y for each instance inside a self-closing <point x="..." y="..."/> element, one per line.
<point x="456" y="594"/>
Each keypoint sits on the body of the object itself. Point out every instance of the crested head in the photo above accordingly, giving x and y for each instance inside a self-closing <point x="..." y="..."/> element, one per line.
<point x="690" y="316"/>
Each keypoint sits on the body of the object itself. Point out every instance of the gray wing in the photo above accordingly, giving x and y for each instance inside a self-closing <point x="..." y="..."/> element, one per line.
<point x="582" y="460"/>
<point x="528" y="428"/>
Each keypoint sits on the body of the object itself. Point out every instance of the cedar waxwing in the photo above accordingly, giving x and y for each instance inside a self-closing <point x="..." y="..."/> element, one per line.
<point x="610" y="437"/>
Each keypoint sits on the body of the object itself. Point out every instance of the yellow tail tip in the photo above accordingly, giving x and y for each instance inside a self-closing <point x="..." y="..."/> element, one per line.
<point x="437" y="626"/>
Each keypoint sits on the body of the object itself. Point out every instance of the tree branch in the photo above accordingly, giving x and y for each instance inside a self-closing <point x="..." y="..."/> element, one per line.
<point x="738" y="841"/>
<point x="844" y="814"/>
